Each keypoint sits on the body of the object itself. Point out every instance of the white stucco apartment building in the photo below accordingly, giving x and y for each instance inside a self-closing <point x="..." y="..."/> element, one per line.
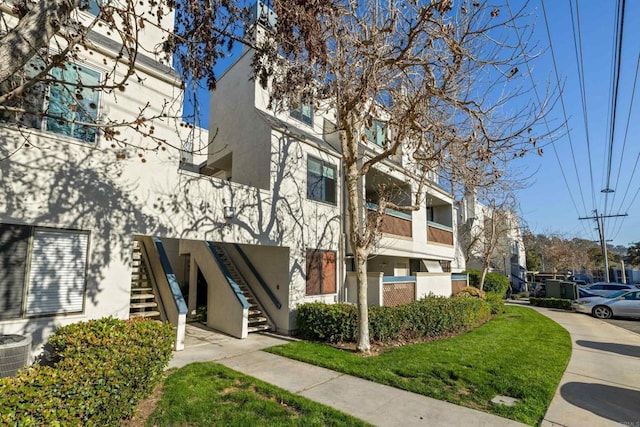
<point x="249" y="230"/>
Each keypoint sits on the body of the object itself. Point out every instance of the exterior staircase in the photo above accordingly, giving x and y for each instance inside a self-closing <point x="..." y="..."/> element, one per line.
<point x="257" y="319"/>
<point x="143" y="302"/>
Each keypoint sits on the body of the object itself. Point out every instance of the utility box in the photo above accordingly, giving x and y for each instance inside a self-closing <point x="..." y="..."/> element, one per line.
<point x="552" y="288"/>
<point x="568" y="290"/>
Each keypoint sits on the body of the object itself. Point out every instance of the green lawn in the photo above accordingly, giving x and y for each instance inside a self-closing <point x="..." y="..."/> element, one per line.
<point x="521" y="354"/>
<point x="208" y="394"/>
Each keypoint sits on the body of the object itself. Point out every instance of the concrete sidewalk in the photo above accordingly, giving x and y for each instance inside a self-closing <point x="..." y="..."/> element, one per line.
<point x="375" y="403"/>
<point x="601" y="385"/>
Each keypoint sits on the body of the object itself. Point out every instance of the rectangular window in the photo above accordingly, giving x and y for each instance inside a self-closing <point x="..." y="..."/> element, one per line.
<point x="59" y="107"/>
<point x="376" y="133"/>
<point x="94" y="7"/>
<point x="14" y="244"/>
<point x="321" y="181"/>
<point x="42" y="271"/>
<point x="321" y="272"/>
<point x="303" y="110"/>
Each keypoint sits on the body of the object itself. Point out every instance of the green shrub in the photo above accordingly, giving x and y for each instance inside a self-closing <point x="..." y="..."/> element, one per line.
<point x="563" y="304"/>
<point x="496" y="302"/>
<point x="327" y="322"/>
<point x="102" y="369"/>
<point x="427" y="318"/>
<point x="493" y="282"/>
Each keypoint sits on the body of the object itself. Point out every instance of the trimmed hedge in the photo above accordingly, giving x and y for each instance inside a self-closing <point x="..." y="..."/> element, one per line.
<point x="493" y="282"/>
<point x="101" y="370"/>
<point x="561" y="303"/>
<point x="427" y="318"/>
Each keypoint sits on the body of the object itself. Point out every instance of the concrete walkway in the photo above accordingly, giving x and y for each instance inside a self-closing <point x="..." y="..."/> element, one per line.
<point x="377" y="404"/>
<point x="601" y="385"/>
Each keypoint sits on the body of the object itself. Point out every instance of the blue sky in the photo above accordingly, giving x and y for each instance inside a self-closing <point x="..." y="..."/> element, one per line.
<point x="547" y="204"/>
<point x="565" y="182"/>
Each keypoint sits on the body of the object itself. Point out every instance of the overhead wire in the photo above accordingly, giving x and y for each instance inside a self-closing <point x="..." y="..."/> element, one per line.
<point x="562" y="103"/>
<point x="577" y="44"/>
<point x="614" y="95"/>
<point x="624" y="144"/>
<point x="613" y="106"/>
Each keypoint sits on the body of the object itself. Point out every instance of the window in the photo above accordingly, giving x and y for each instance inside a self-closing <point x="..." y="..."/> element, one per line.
<point x="303" y="110"/>
<point x="376" y="133"/>
<point x="430" y="213"/>
<point x="321" y="181"/>
<point x="42" y="271"/>
<point x="60" y="107"/>
<point x="321" y="272"/>
<point x="94" y="7"/>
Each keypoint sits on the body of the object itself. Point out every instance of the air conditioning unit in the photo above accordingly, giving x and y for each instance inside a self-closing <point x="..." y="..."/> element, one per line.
<point x="14" y="353"/>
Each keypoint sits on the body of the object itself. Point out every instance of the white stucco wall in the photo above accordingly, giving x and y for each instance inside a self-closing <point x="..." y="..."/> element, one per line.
<point x="438" y="284"/>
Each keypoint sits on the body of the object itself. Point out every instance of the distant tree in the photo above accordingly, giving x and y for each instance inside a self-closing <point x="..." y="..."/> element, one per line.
<point x="533" y="260"/>
<point x="633" y="254"/>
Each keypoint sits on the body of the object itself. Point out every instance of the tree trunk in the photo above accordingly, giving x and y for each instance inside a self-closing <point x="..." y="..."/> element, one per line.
<point x="364" y="344"/>
<point x="33" y="32"/>
<point x="485" y="268"/>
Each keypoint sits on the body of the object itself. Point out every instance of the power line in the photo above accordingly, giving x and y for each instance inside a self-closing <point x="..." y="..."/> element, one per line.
<point x="624" y="144"/>
<point x="557" y="75"/>
<point x="580" y="64"/>
<point x="614" y="95"/>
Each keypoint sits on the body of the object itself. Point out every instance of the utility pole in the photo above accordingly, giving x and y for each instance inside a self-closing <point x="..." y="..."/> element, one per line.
<point x="603" y="242"/>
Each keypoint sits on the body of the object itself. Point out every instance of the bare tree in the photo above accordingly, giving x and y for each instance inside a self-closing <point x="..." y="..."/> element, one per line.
<point x="487" y="236"/>
<point x="43" y="38"/>
<point x="441" y="80"/>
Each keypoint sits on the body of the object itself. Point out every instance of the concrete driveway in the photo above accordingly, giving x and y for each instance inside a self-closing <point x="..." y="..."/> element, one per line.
<point x="601" y="385"/>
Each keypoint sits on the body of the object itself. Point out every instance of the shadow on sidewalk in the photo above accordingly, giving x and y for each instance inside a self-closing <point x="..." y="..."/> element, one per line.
<point x="623" y="349"/>
<point x="615" y="403"/>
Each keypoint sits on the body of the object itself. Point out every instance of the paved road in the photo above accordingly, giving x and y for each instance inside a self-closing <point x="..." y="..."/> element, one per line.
<point x="632" y="325"/>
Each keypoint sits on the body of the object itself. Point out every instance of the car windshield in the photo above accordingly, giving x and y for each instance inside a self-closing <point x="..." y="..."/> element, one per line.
<point x="616" y="294"/>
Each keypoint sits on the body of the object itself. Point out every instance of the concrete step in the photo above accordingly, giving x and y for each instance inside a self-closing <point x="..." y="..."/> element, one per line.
<point x="257" y="319"/>
<point x="141" y="289"/>
<point x="259" y="328"/>
<point x="151" y="304"/>
<point x="142" y="296"/>
<point x="138" y="314"/>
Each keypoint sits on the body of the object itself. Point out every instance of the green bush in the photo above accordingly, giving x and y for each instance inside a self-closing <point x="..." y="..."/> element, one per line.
<point x="563" y="304"/>
<point x="101" y="370"/>
<point x="493" y="282"/>
<point x="427" y="318"/>
<point x="327" y="322"/>
<point x="496" y="302"/>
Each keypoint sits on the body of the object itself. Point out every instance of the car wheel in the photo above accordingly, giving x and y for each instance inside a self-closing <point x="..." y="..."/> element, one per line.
<point x="602" y="312"/>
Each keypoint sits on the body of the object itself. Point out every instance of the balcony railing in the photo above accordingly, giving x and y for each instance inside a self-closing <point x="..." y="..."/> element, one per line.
<point x="394" y="222"/>
<point x="438" y="233"/>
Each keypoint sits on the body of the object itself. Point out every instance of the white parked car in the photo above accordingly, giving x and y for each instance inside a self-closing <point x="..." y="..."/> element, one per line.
<point x="607" y="288"/>
<point x="620" y="303"/>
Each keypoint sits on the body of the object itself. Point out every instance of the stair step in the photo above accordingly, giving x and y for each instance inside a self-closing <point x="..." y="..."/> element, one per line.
<point x="259" y="328"/>
<point x="257" y="319"/>
<point x="144" y="314"/>
<point x="142" y="296"/>
<point x="140" y="289"/>
<point x="143" y="304"/>
<point x="254" y="312"/>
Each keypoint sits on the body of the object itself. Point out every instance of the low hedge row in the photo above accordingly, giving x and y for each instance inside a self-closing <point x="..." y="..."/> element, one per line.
<point x="427" y="318"/>
<point x="101" y="369"/>
<point x="564" y="304"/>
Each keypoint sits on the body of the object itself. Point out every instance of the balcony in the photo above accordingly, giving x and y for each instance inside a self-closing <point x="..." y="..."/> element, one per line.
<point x="393" y="222"/>
<point x="440" y="234"/>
